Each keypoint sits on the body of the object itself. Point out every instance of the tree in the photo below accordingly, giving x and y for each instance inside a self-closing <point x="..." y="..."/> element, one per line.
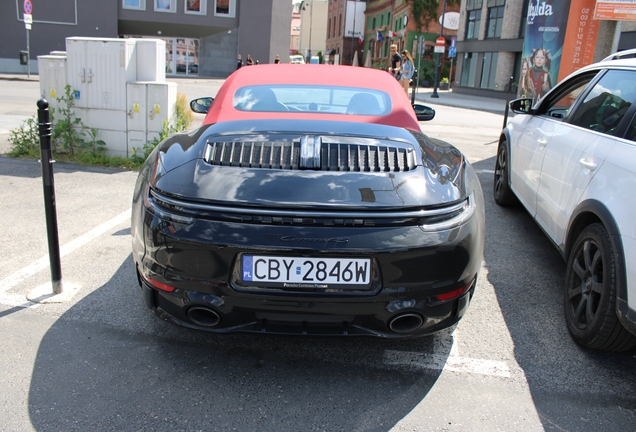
<point x="425" y="11"/>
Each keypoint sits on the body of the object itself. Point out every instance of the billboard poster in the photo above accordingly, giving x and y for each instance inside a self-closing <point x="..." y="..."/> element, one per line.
<point x="546" y="23"/>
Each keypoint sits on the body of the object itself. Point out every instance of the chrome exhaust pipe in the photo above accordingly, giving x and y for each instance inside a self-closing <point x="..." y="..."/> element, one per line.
<point x="406" y="323"/>
<point x="203" y="316"/>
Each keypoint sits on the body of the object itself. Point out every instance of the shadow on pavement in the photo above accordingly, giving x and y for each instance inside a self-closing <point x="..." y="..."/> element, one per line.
<point x="109" y="364"/>
<point x="527" y="273"/>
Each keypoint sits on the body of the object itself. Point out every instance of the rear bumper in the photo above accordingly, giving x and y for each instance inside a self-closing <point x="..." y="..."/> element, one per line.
<point x="255" y="313"/>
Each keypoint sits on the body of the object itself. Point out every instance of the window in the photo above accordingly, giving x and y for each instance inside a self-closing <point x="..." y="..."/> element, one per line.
<point x="195" y="7"/>
<point x="166" y="6"/>
<point x="468" y="70"/>
<point x="496" y="10"/>
<point x="224" y="8"/>
<point x="489" y="71"/>
<point x="134" y="4"/>
<point x="312" y="98"/>
<point x="606" y="104"/>
<point x="473" y="21"/>
<point x="559" y="106"/>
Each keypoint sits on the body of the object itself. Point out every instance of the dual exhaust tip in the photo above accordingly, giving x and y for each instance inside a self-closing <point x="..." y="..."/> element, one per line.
<point x="204" y="316"/>
<point x="207" y="317"/>
<point x="406" y="323"/>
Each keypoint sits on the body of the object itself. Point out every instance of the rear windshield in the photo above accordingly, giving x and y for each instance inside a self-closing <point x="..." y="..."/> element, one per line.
<point x="315" y="99"/>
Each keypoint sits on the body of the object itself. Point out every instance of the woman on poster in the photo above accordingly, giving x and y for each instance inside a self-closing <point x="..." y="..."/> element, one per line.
<point x="526" y="87"/>
<point x="540" y="72"/>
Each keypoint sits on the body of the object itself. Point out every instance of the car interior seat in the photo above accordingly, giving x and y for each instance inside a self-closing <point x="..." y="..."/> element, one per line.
<point x="363" y="104"/>
<point x="264" y="99"/>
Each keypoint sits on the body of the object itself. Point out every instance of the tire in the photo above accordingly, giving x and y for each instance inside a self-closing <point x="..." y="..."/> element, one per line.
<point x="504" y="196"/>
<point x="590" y="293"/>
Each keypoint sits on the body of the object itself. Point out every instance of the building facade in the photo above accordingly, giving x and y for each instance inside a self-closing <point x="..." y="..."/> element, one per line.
<point x="203" y="37"/>
<point x="313" y="28"/>
<point x="392" y="22"/>
<point x="491" y="42"/>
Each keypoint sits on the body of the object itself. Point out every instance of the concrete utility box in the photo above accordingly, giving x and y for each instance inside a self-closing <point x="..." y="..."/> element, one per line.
<point x="162" y="98"/>
<point x="149" y="105"/>
<point x="52" y="71"/>
<point x="98" y="70"/>
<point x="107" y="92"/>
<point x="151" y="59"/>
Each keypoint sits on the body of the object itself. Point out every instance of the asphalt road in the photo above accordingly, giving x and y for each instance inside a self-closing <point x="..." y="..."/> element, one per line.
<point x="100" y="360"/>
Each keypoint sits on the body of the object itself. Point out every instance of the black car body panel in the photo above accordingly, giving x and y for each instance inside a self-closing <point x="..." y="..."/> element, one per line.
<point x="415" y="210"/>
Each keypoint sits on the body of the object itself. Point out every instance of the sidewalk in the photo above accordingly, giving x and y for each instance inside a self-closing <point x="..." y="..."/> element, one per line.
<point x="459" y="100"/>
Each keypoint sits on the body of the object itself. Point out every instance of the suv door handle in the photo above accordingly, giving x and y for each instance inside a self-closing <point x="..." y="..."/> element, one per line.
<point x="542" y="141"/>
<point x="590" y="165"/>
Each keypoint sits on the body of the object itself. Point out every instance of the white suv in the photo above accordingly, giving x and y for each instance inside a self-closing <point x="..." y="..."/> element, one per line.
<point x="571" y="161"/>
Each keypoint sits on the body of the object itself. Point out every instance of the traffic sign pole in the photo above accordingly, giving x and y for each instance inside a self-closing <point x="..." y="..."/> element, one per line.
<point x="441" y="36"/>
<point x="28" y="10"/>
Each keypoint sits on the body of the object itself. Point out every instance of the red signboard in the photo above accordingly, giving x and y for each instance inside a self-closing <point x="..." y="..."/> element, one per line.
<point x="28" y="7"/>
<point x="440" y="41"/>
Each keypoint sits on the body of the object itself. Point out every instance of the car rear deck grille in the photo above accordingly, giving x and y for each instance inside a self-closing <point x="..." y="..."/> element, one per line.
<point x="272" y="155"/>
<point x="333" y="156"/>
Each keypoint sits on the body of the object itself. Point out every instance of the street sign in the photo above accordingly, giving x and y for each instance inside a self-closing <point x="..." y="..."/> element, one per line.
<point x="440" y="45"/>
<point x="28" y="18"/>
<point x="452" y="51"/>
<point x="420" y="44"/>
<point x="28" y="7"/>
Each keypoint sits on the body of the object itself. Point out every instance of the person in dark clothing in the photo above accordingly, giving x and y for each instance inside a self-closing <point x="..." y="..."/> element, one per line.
<point x="277" y="59"/>
<point x="239" y="62"/>
<point x="396" y="62"/>
<point x="249" y="61"/>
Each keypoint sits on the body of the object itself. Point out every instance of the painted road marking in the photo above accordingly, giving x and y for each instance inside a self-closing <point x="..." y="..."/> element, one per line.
<point x="452" y="362"/>
<point x="18" y="277"/>
<point x="447" y="363"/>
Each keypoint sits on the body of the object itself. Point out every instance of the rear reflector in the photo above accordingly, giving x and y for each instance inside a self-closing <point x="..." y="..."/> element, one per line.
<point x="159" y="285"/>
<point x="453" y="294"/>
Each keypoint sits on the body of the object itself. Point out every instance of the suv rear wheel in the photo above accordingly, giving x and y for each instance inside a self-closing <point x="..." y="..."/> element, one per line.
<point x="504" y="196"/>
<point x="590" y="293"/>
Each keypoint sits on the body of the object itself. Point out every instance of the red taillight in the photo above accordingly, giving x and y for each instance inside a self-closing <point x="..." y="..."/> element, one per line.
<point x="159" y="285"/>
<point x="454" y="293"/>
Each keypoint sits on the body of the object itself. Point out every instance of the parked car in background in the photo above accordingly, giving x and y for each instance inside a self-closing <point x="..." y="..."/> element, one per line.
<point x="193" y="68"/>
<point x="308" y="204"/>
<point x="296" y="59"/>
<point x="571" y="161"/>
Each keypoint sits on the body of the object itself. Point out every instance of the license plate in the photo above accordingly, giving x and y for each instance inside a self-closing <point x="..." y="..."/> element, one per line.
<point x="295" y="272"/>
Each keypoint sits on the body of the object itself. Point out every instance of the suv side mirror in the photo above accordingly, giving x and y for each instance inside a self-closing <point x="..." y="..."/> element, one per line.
<point x="201" y="105"/>
<point x="423" y="112"/>
<point x="521" y="106"/>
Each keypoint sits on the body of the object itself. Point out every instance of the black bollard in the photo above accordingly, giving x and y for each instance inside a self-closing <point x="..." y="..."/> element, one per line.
<point x="44" y="123"/>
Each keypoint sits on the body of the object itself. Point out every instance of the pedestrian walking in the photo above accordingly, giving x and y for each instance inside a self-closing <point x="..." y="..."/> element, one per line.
<point x="239" y="62"/>
<point x="396" y="62"/>
<point x="249" y="61"/>
<point x="406" y="72"/>
<point x="277" y="59"/>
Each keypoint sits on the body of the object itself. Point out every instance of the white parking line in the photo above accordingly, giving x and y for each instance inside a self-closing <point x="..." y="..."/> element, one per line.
<point x="18" y="277"/>
<point x="488" y="171"/>
<point x="448" y="363"/>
